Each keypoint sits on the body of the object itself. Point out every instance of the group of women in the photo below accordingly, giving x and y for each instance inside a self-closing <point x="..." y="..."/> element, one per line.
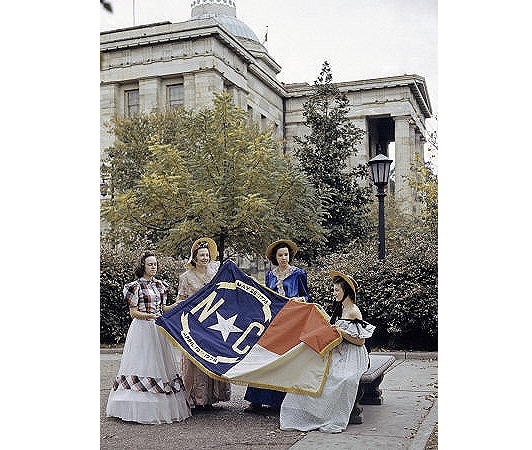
<point x="156" y="383"/>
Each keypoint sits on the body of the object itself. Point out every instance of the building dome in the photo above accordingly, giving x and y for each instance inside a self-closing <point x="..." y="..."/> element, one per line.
<point x="224" y="12"/>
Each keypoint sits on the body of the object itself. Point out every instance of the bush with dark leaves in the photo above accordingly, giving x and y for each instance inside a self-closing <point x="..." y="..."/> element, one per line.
<point x="117" y="266"/>
<point x="399" y="294"/>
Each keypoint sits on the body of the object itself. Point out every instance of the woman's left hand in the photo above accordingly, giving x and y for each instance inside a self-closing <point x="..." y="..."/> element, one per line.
<point x="169" y="307"/>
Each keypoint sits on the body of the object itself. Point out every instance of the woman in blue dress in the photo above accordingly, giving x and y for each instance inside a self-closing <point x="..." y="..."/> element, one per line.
<point x="287" y="280"/>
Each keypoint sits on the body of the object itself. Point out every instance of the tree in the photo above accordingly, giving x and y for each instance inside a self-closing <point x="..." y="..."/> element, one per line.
<point x="425" y="183"/>
<point x="344" y="193"/>
<point x="177" y="175"/>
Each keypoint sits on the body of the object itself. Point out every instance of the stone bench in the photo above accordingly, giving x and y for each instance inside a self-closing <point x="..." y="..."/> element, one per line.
<point x="368" y="388"/>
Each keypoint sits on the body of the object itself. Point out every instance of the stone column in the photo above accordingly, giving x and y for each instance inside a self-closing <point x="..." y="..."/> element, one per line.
<point x="109" y="95"/>
<point x="404" y="151"/>
<point x="362" y="156"/>
<point x="371" y="130"/>
<point x="420" y="140"/>
<point x="419" y="153"/>
<point x="206" y="84"/>
<point x="109" y="103"/>
<point x="189" y="91"/>
<point x="239" y="97"/>
<point x="149" y="94"/>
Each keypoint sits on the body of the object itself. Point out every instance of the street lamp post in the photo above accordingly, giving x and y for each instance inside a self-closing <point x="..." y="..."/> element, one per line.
<point x="380" y="171"/>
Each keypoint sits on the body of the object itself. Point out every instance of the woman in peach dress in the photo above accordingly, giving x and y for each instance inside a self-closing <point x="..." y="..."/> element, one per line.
<point x="201" y="390"/>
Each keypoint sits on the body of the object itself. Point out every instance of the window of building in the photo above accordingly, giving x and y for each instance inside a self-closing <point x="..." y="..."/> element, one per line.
<point x="276" y="129"/>
<point x="263" y="122"/>
<point x="132" y="102"/>
<point x="175" y="95"/>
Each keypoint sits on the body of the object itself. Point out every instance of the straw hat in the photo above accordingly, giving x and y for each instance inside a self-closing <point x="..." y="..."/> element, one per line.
<point x="354" y="285"/>
<point x="289" y="244"/>
<point x="349" y="280"/>
<point x="213" y="249"/>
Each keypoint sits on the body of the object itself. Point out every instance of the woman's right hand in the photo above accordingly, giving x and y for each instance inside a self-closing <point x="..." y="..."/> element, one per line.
<point x="150" y="316"/>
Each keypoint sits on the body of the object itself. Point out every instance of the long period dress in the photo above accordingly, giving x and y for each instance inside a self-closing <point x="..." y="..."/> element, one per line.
<point x="200" y="389"/>
<point x="330" y="411"/>
<point x="293" y="283"/>
<point x="147" y="388"/>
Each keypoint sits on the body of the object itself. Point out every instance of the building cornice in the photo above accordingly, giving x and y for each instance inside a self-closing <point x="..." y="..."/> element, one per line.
<point x="165" y="32"/>
<point x="136" y="27"/>
<point x="416" y="84"/>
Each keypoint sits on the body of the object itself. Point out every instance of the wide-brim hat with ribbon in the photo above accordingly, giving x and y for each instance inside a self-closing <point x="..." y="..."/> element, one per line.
<point x="289" y="244"/>
<point x="349" y="280"/>
<point x="211" y="245"/>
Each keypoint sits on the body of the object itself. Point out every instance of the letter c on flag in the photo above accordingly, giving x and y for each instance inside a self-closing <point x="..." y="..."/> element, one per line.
<point x="244" y="335"/>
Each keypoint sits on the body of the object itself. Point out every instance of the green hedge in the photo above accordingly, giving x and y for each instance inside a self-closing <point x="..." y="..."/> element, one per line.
<point x="117" y="267"/>
<point x="399" y="295"/>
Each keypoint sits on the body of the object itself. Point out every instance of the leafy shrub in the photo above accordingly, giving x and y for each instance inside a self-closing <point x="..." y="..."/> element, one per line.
<point x="398" y="295"/>
<point x="117" y="266"/>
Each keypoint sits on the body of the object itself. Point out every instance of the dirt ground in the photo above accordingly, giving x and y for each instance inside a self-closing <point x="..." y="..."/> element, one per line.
<point x="234" y="428"/>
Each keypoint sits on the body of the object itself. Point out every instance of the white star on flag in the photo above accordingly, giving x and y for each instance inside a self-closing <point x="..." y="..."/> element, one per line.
<point x="225" y="326"/>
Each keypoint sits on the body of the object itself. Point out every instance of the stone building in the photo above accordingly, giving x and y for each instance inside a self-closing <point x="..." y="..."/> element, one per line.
<point x="157" y="66"/>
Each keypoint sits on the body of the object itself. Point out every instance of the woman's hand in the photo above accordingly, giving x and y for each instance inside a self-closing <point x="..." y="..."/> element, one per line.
<point x="148" y="316"/>
<point x="349" y="338"/>
<point x="169" y="307"/>
<point x="136" y="314"/>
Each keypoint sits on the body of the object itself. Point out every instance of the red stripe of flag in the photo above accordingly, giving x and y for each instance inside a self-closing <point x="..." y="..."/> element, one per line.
<point x="298" y="322"/>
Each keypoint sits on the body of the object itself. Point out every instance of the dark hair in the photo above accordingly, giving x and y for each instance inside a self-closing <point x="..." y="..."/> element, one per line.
<point x="337" y="306"/>
<point x="202" y="244"/>
<point x="348" y="290"/>
<point x="140" y="269"/>
<point x="276" y="248"/>
<point x="336" y="312"/>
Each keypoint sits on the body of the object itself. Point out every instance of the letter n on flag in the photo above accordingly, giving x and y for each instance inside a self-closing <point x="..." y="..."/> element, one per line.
<point x="238" y="330"/>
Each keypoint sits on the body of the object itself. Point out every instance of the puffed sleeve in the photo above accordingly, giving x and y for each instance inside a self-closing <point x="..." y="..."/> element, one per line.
<point x="270" y="280"/>
<point x="131" y="293"/>
<point x="302" y="285"/>
<point x="182" y="290"/>
<point x="356" y="329"/>
<point x="163" y="290"/>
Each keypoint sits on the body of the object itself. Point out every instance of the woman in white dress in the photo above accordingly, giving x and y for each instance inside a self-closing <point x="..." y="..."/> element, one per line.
<point x="330" y="411"/>
<point x="148" y="388"/>
<point x="201" y="390"/>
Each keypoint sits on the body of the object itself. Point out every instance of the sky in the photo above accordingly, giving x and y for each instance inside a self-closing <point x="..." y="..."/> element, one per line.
<point x="360" y="39"/>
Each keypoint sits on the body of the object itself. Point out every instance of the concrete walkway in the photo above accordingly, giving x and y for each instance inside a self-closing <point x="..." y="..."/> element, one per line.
<point x="405" y="419"/>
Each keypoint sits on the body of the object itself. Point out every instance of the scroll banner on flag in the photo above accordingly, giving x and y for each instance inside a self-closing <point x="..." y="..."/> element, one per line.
<point x="237" y="330"/>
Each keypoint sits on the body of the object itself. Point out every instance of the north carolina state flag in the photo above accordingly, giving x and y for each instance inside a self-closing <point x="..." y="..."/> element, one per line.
<point x="238" y="330"/>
